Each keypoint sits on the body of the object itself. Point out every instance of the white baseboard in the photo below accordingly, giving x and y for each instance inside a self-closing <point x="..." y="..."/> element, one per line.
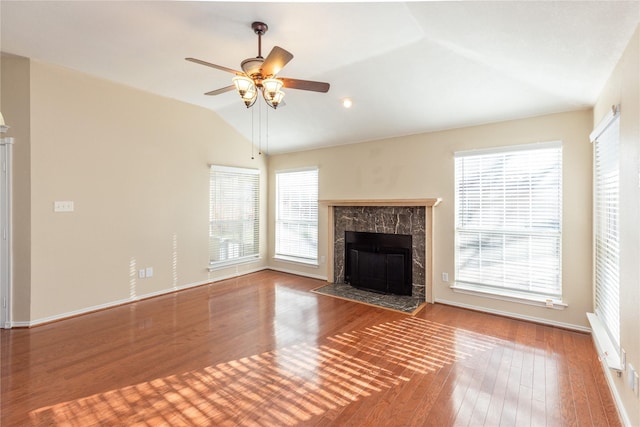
<point x="297" y="273"/>
<point x="74" y="313"/>
<point x="515" y="315"/>
<point x="116" y="303"/>
<point x="608" y="374"/>
<point x="234" y="274"/>
<point x="17" y="325"/>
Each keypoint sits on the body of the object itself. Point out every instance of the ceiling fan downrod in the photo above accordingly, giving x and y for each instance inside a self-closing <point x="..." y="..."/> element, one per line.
<point x="259" y="28"/>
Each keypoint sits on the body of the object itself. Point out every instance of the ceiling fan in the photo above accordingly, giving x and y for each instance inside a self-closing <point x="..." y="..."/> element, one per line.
<point x="259" y="74"/>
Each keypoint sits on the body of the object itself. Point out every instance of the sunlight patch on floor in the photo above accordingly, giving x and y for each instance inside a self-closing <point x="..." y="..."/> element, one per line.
<point x="282" y="387"/>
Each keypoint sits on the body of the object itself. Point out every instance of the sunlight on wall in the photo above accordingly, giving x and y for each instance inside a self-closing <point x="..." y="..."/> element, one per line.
<point x="174" y="260"/>
<point x="277" y="387"/>
<point x="133" y="271"/>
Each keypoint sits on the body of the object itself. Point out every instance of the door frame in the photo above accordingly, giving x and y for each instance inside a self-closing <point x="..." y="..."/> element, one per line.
<point x="6" y="262"/>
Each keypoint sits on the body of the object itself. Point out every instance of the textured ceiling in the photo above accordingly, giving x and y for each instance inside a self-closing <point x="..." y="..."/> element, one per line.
<point x="409" y="67"/>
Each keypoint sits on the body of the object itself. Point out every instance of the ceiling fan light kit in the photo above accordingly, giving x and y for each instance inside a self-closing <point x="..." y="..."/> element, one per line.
<point x="261" y="74"/>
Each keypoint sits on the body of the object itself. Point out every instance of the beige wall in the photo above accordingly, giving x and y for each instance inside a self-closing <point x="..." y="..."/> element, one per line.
<point x="623" y="88"/>
<point x="422" y="166"/>
<point x="136" y="167"/>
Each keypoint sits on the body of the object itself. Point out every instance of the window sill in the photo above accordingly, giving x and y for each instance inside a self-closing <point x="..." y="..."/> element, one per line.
<point x="607" y="350"/>
<point x="538" y="301"/>
<point x="294" y="260"/>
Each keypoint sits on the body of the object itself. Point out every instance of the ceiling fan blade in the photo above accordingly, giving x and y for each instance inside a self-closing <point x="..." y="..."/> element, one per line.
<point x="275" y="61"/>
<point x="305" y="85"/>
<point x="221" y="90"/>
<point x="209" y="64"/>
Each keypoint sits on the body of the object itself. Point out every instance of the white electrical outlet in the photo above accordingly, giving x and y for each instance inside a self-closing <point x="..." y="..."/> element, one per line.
<point x="149" y="272"/>
<point x="445" y="277"/>
<point x="142" y="274"/>
<point x="63" y="206"/>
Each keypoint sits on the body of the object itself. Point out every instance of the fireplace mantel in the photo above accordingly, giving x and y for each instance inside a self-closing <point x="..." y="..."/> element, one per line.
<point x="428" y="204"/>
<point x="383" y="202"/>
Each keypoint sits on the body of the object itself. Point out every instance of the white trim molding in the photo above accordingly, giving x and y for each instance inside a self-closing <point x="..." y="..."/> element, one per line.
<point x="112" y="304"/>
<point x="6" y="235"/>
<point x="512" y="315"/>
<point x="298" y="273"/>
<point x="505" y="295"/>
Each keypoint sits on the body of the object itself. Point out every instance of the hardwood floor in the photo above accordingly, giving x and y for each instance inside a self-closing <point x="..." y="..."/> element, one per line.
<point x="262" y="350"/>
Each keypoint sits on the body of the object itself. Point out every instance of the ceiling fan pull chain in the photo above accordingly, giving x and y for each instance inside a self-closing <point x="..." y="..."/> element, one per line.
<point x="260" y="128"/>
<point x="252" y="134"/>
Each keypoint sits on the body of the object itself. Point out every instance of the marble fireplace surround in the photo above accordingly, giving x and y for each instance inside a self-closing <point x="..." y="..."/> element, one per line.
<point x="396" y="216"/>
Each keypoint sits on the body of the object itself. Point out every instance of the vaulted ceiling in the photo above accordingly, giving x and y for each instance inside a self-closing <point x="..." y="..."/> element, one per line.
<point x="410" y="67"/>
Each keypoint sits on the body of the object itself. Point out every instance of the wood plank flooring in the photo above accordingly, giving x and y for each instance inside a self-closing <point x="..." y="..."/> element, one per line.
<point x="262" y="350"/>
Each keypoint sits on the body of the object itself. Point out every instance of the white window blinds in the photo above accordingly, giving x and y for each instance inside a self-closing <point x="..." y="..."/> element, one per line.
<point x="606" y="231"/>
<point x="297" y="215"/>
<point x="508" y="220"/>
<point x="233" y="215"/>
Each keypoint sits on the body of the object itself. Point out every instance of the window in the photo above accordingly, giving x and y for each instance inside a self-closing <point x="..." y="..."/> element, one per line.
<point x="233" y="215"/>
<point x="508" y="222"/>
<point x="606" y="232"/>
<point x="297" y="215"/>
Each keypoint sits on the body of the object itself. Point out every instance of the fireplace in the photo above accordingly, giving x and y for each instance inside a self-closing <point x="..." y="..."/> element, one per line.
<point x="378" y="262"/>
<point x="394" y="220"/>
<point x="412" y="217"/>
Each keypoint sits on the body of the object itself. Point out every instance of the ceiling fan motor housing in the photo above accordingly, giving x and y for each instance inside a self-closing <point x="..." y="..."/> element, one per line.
<point x="252" y="67"/>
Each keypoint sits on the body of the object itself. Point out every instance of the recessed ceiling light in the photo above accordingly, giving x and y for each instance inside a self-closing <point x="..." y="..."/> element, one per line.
<point x="347" y="102"/>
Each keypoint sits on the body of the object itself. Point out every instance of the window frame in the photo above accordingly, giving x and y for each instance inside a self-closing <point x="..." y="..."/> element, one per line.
<point x="606" y="227"/>
<point x="313" y="223"/>
<point x="236" y="178"/>
<point x="462" y="280"/>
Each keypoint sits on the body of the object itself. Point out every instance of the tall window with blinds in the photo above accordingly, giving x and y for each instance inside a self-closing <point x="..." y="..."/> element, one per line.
<point x="297" y="215"/>
<point x="606" y="231"/>
<point x="508" y="216"/>
<point x="233" y="215"/>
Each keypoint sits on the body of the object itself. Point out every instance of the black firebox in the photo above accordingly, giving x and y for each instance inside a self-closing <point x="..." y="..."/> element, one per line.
<point x="379" y="262"/>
